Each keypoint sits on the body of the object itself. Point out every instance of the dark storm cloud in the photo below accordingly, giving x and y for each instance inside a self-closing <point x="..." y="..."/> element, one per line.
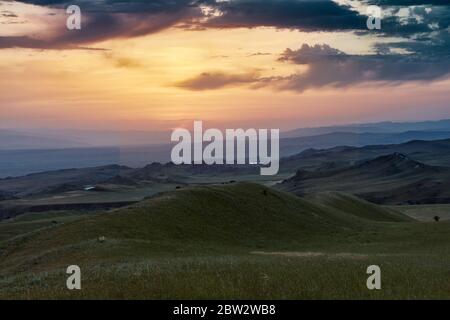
<point x="107" y="26"/>
<point x="108" y="19"/>
<point x="118" y="6"/>
<point x="408" y="2"/>
<point x="328" y="15"/>
<point x="97" y="28"/>
<point x="309" y="15"/>
<point x="419" y="19"/>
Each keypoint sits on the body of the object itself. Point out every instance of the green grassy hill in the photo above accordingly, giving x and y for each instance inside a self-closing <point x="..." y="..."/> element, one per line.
<point x="219" y="242"/>
<point x="236" y="215"/>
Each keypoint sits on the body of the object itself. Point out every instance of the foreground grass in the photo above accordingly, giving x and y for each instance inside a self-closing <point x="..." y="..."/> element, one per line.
<point x="245" y="277"/>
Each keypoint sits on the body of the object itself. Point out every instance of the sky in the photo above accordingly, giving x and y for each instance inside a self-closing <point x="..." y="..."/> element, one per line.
<point x="158" y="65"/>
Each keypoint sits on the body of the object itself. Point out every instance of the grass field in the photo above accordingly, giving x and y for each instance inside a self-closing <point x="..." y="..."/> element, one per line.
<point x="238" y="241"/>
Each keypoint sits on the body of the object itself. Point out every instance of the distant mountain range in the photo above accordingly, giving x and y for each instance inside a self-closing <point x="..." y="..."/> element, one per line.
<point x="414" y="165"/>
<point x="25" y="161"/>
<point x="377" y="127"/>
<point x="435" y="152"/>
<point x="19" y="139"/>
<point x="290" y="146"/>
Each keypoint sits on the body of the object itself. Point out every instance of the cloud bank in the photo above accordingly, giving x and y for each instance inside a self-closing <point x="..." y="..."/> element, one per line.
<point x="420" y="53"/>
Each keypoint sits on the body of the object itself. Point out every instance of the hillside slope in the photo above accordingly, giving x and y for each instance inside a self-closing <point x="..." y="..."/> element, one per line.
<point x="357" y="207"/>
<point x="246" y="216"/>
<point x="435" y="153"/>
<point x="390" y="179"/>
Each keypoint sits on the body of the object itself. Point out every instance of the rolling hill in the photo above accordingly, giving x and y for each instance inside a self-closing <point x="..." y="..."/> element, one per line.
<point x="242" y="215"/>
<point x="436" y="152"/>
<point x="389" y="179"/>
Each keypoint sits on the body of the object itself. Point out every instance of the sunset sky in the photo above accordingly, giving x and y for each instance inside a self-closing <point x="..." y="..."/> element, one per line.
<point x="156" y="65"/>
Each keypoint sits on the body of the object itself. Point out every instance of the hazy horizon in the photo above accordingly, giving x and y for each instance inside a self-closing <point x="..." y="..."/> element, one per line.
<point x="48" y="138"/>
